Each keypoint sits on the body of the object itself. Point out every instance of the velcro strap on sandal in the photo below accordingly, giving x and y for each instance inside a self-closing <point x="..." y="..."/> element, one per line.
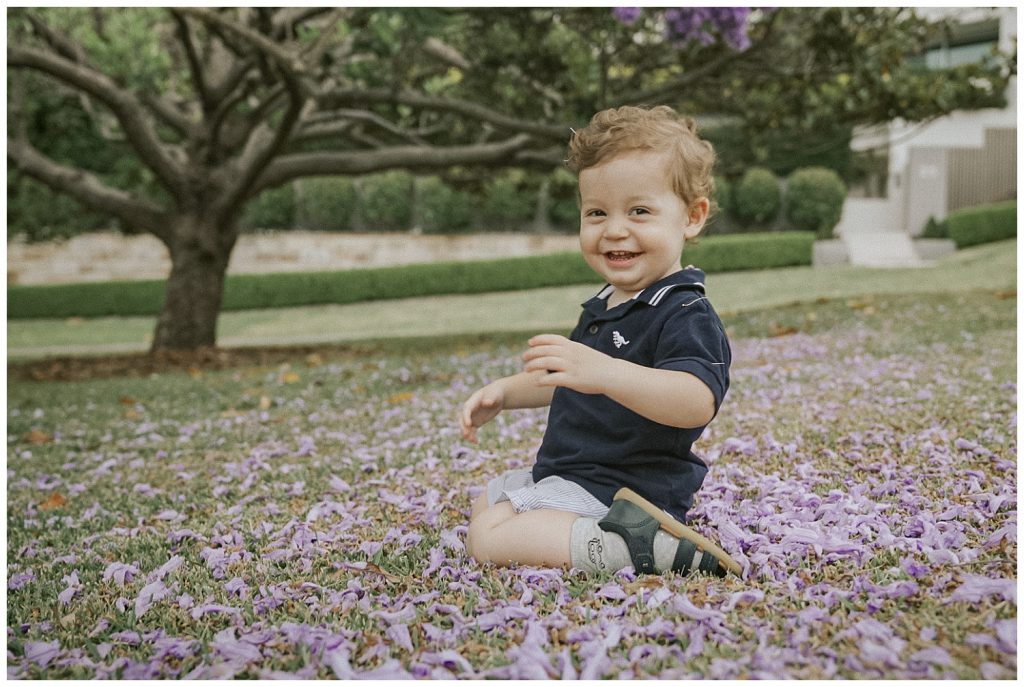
<point x="709" y="565"/>
<point x="637" y="529"/>
<point x="685" y="553"/>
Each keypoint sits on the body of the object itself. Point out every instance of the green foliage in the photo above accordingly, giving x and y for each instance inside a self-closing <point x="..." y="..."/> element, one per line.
<point x="935" y="229"/>
<point x="984" y="224"/>
<point x="272" y="209"/>
<point x="247" y="292"/>
<point x="782" y="151"/>
<point x="326" y="204"/>
<point x="386" y="203"/>
<point x="751" y="251"/>
<point x="756" y="197"/>
<point x="445" y="210"/>
<point x="36" y="213"/>
<point x="814" y="200"/>
<point x="723" y="201"/>
<point x="508" y="203"/>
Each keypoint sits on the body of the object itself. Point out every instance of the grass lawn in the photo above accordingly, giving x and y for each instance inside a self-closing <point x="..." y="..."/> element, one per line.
<point x="308" y="520"/>
<point x="992" y="266"/>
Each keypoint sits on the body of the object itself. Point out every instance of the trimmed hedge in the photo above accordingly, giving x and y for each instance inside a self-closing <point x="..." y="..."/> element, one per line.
<point x="983" y="224"/>
<point x="756" y="199"/>
<point x="248" y="292"/>
<point x="814" y="200"/>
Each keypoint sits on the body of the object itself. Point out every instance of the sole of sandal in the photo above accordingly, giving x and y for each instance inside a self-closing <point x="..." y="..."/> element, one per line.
<point x="679" y="530"/>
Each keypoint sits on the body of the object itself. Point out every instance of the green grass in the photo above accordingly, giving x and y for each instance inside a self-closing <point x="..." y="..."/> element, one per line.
<point x="992" y="266"/>
<point x="895" y="379"/>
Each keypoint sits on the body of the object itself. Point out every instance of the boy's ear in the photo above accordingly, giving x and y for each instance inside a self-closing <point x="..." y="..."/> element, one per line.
<point x="698" y="215"/>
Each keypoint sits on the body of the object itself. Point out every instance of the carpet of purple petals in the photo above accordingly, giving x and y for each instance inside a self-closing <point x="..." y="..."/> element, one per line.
<point x="309" y="520"/>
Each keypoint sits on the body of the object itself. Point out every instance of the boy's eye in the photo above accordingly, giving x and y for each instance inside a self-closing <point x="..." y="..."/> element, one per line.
<point x="594" y="213"/>
<point x="640" y="211"/>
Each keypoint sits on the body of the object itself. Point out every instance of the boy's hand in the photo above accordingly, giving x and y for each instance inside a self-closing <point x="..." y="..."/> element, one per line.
<point x="568" y="364"/>
<point x="482" y="407"/>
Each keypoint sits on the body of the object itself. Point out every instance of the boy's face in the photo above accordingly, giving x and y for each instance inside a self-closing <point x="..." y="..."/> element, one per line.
<point x="632" y="224"/>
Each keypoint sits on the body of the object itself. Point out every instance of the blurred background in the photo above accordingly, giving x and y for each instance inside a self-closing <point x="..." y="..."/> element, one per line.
<point x="189" y="144"/>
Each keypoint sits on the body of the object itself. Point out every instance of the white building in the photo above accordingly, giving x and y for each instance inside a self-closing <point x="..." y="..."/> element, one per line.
<point x="964" y="159"/>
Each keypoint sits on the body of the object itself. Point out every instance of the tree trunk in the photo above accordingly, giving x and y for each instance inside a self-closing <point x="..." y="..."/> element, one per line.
<point x="195" y="287"/>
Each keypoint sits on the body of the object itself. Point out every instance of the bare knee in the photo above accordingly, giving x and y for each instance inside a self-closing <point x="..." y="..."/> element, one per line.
<point x="484" y="519"/>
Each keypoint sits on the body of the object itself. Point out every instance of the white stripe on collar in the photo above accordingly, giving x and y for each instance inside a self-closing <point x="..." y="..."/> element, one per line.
<point x="665" y="289"/>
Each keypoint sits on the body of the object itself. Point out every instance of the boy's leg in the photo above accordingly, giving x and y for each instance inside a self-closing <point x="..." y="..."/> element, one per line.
<point x="498" y="534"/>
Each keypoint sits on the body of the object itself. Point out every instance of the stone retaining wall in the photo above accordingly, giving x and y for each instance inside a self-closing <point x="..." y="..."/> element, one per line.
<point x="109" y="256"/>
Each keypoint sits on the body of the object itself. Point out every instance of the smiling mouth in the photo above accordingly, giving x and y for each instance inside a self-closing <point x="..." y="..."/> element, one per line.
<point x="620" y="255"/>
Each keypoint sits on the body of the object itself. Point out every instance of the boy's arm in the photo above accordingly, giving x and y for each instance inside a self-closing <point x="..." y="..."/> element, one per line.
<point x="517" y="391"/>
<point x="669" y="397"/>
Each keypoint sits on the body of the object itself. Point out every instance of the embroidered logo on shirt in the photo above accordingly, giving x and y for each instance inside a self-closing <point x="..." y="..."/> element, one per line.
<point x="618" y="340"/>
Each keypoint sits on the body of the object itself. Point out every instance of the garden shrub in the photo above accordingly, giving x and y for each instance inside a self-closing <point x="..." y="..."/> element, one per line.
<point x="272" y="209"/>
<point x="247" y="292"/>
<point x="326" y="204"/>
<point x="386" y="203"/>
<point x="507" y="204"/>
<point x="445" y="210"/>
<point x="723" y="196"/>
<point x="935" y="229"/>
<point x="814" y="200"/>
<point x="983" y="224"/>
<point x="756" y="199"/>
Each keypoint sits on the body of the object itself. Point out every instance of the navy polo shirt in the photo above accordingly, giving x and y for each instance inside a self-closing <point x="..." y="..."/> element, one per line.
<point x="602" y="445"/>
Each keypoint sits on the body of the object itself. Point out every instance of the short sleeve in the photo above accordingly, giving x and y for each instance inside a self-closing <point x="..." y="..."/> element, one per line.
<point x="693" y="340"/>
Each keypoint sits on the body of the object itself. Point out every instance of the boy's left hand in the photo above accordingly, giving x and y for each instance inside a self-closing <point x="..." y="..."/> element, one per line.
<point x="568" y="364"/>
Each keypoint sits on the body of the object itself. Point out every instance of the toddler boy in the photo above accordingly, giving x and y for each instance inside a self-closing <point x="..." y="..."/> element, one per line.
<point x="631" y="389"/>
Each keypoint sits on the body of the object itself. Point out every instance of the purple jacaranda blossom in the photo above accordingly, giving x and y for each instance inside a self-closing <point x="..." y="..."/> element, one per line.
<point x="977" y="587"/>
<point x="683" y="605"/>
<point x="449" y="660"/>
<point x="745" y="597"/>
<point x="404" y="615"/>
<point x="205" y="609"/>
<point x="72" y="589"/>
<point x="41" y="653"/>
<point x="594" y="653"/>
<point x="435" y="558"/>
<point x="20" y="579"/>
<point x="127" y="637"/>
<point x="228" y="647"/>
<point x="913" y="568"/>
<point x="237" y="587"/>
<point x="613" y="591"/>
<point x="1006" y="634"/>
<point x="400" y="637"/>
<point x="529" y="659"/>
<point x="933" y="655"/>
<point x="325" y="508"/>
<point x="167" y="568"/>
<point x="627" y="15"/>
<point x="121" y="573"/>
<point x="149" y="595"/>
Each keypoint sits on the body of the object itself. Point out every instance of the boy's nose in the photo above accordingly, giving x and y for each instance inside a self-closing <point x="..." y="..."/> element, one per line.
<point x="616" y="229"/>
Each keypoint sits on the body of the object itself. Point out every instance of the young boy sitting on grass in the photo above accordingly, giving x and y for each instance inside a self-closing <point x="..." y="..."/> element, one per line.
<point x="631" y="389"/>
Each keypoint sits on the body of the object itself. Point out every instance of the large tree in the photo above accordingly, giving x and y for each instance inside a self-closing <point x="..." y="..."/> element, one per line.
<point x="219" y="105"/>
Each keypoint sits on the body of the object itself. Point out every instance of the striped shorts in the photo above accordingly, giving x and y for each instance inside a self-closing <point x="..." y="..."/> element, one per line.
<point x="518" y="488"/>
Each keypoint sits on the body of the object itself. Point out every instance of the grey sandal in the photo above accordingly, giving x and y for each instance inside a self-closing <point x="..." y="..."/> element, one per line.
<point x="637" y="520"/>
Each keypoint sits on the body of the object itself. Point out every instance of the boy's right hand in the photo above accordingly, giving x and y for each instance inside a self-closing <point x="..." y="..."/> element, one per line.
<point x="482" y="407"/>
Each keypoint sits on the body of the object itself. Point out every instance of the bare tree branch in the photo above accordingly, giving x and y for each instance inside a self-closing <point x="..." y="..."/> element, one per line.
<point x="286" y="19"/>
<point x="194" y="66"/>
<point x="342" y="98"/>
<point x="288" y="63"/>
<point x="127" y="109"/>
<point x="288" y="167"/>
<point x="315" y="123"/>
<point x="87" y="188"/>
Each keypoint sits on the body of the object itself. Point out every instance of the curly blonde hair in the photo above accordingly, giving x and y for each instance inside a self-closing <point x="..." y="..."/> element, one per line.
<point x="618" y="130"/>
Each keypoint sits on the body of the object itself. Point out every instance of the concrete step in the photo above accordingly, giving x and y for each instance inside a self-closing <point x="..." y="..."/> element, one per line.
<point x="881" y="249"/>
